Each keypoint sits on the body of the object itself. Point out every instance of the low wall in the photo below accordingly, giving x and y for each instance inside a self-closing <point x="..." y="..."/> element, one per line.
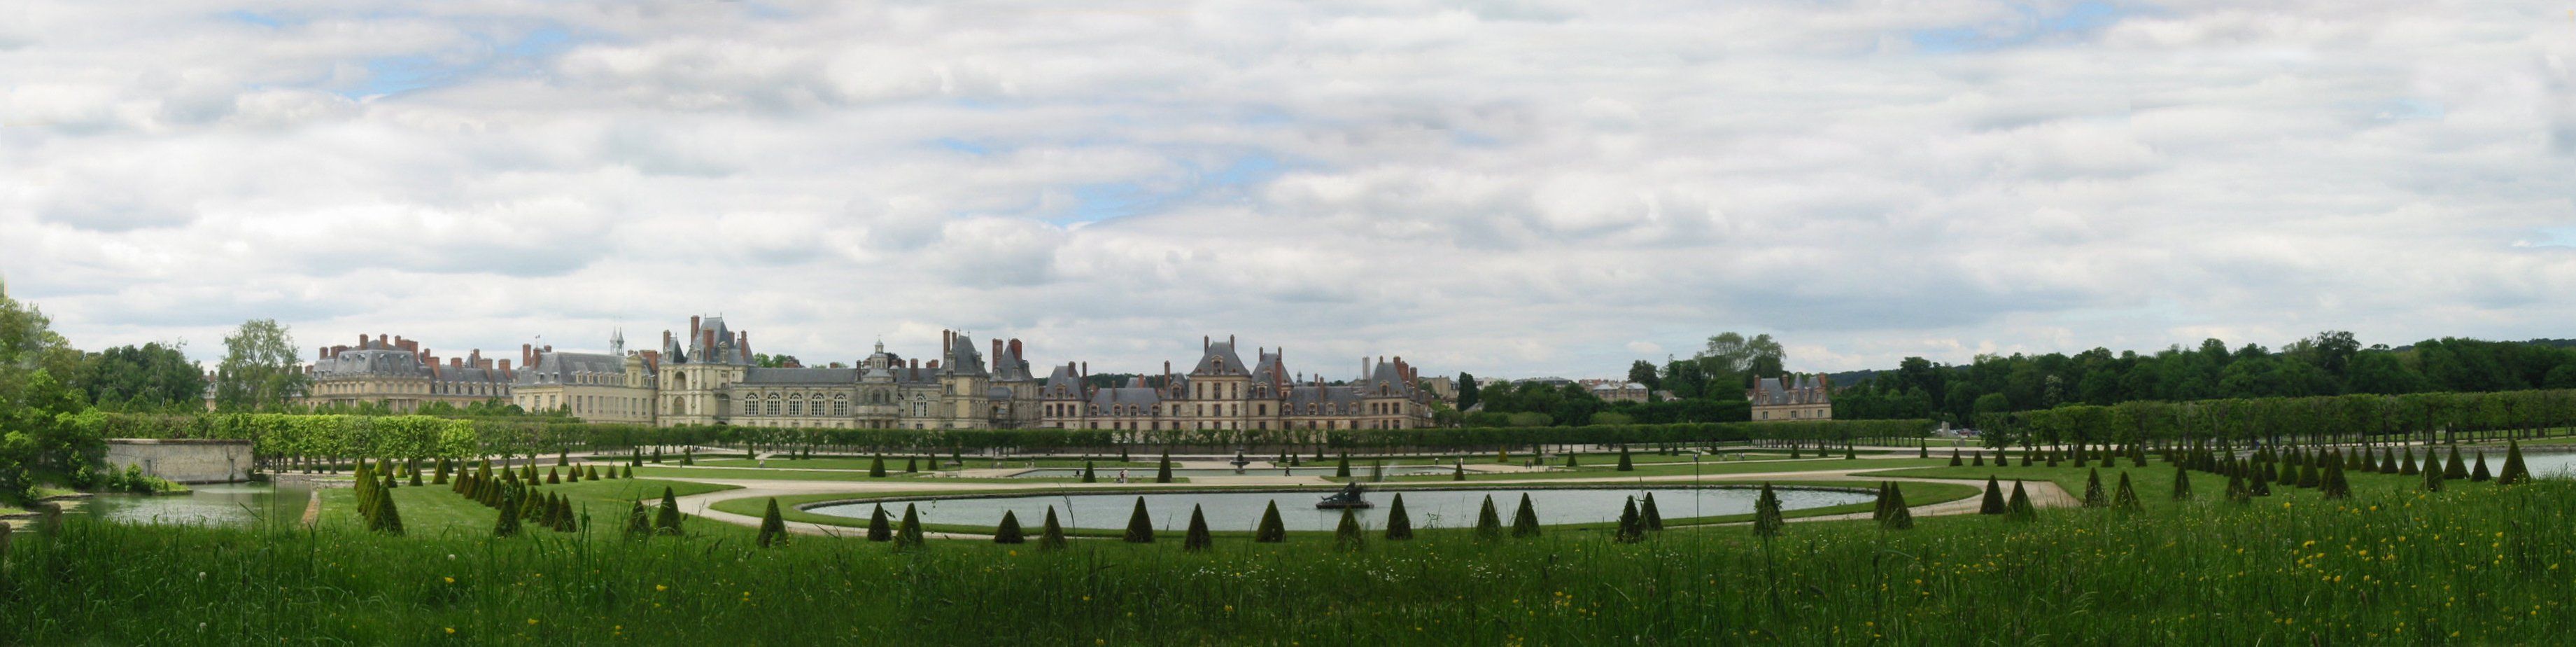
<point x="183" y="461"/>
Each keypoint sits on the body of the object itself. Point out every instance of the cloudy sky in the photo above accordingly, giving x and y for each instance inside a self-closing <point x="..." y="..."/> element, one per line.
<point x="1512" y="188"/>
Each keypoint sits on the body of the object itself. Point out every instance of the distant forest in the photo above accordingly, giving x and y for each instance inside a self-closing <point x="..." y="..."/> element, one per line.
<point x="2331" y="363"/>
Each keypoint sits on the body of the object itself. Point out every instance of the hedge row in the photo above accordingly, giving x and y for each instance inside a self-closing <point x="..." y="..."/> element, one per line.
<point x="2416" y="416"/>
<point x="297" y="435"/>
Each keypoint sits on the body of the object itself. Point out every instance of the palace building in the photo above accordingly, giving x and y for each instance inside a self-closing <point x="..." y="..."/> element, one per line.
<point x="1223" y="392"/>
<point x="1810" y="398"/>
<point x="401" y="376"/>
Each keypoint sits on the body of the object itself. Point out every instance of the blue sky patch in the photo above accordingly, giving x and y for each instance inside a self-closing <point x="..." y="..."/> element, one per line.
<point x="2076" y="22"/>
<point x="1097" y="202"/>
<point x="397" y="74"/>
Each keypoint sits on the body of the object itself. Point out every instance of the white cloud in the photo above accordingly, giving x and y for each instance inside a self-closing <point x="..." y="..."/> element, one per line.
<point x="1492" y="189"/>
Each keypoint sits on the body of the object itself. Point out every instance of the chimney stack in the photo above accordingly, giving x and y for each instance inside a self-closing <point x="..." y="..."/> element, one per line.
<point x="322" y="353"/>
<point x="1016" y="353"/>
<point x="527" y="355"/>
<point x="505" y="366"/>
<point x="1203" y="343"/>
<point x="997" y="354"/>
<point x="666" y="339"/>
<point x="693" y="329"/>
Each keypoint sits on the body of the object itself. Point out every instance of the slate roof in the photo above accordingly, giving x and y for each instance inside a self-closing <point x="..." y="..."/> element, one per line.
<point x="560" y="367"/>
<point x="799" y="376"/>
<point x="1219" y="359"/>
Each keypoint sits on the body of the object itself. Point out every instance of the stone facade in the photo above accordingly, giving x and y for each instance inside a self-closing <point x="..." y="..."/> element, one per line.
<point x="1809" y="398"/>
<point x="400" y="375"/>
<point x="612" y="387"/>
<point x="711" y="380"/>
<point x="1223" y="392"/>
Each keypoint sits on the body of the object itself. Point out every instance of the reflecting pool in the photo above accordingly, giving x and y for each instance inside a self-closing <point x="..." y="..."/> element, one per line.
<point x="1448" y="508"/>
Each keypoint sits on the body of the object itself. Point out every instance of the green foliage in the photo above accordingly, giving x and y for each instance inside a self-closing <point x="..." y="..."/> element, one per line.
<point x="261" y="370"/>
<point x="1087" y="475"/>
<point x="1196" y="538"/>
<point x="1009" y="531"/>
<point x="1632" y="527"/>
<point x="151" y="377"/>
<point x="2093" y="495"/>
<point x="1399" y="524"/>
<point x="1343" y="470"/>
<point x="1346" y="535"/>
<point x="639" y="524"/>
<point x="1654" y="518"/>
<point x="1051" y="535"/>
<point x="1766" y="514"/>
<point x="907" y="536"/>
<point x="1525" y="521"/>
<point x="2126" y="498"/>
<point x="2432" y="478"/>
<point x="1624" y="464"/>
<point x="1163" y="473"/>
<point x="1271" y="530"/>
<point x="2457" y="469"/>
<point x="2181" y="487"/>
<point x="773" y="528"/>
<point x="1899" y="515"/>
<point x="2514" y="470"/>
<point x="1993" y="503"/>
<point x="1489" y="524"/>
<point x="667" y="520"/>
<point x="881" y="527"/>
<point x="2020" y="508"/>
<point x="508" y="523"/>
<point x="877" y="468"/>
<point x="2480" y="473"/>
<point x="1140" y="527"/>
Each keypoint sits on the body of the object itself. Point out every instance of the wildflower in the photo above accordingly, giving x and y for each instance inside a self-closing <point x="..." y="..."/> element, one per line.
<point x="450" y="580"/>
<point x="451" y="630"/>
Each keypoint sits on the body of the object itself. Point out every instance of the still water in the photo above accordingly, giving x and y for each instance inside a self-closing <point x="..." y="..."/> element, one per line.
<point x="1147" y="473"/>
<point x="222" y="504"/>
<point x="1427" y="508"/>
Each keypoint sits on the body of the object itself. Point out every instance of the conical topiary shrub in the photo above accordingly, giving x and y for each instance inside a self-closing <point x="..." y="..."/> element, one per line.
<point x="1343" y="470"/>
<point x="876" y="468"/>
<point x="1993" y="503"/>
<point x="1196" y="539"/>
<point x="667" y="520"/>
<point x="773" y="528"/>
<point x="1489" y="522"/>
<point x="1525" y="522"/>
<point x="2333" y="485"/>
<point x="2093" y="495"/>
<point x="1163" y="473"/>
<point x="908" y="536"/>
<point x="1766" y="514"/>
<point x="1954" y="458"/>
<point x="1271" y="530"/>
<point x="1009" y="531"/>
<point x="639" y="524"/>
<point x="1898" y="516"/>
<point x="1140" y="527"/>
<point x="880" y="525"/>
<point x="2020" y="509"/>
<point x="1399" y="524"/>
<point x="1460" y="474"/>
<point x="2432" y="477"/>
<point x="2480" y="473"/>
<point x="911" y="465"/>
<point x="1654" y="517"/>
<point x="1051" y="534"/>
<point x="1087" y="475"/>
<point x="2387" y="460"/>
<point x="2514" y="470"/>
<point x="2182" y="484"/>
<point x="388" y="519"/>
<point x="1625" y="465"/>
<point x="2406" y="461"/>
<point x="1346" y="535"/>
<point x="1977" y="459"/>
<point x="1570" y="463"/>
<point x="2126" y="498"/>
<point x="2457" y="469"/>
<point x="1632" y="527"/>
<point x="508" y="525"/>
<point x="553" y="478"/>
<point x="1878" y="506"/>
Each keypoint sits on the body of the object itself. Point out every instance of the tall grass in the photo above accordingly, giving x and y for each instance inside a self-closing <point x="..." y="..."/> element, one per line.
<point x="2476" y="565"/>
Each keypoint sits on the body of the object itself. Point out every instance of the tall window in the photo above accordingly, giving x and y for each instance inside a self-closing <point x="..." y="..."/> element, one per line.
<point x="795" y="407"/>
<point x="773" y="407"/>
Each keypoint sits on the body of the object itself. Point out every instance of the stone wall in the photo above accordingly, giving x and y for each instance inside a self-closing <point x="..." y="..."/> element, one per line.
<point x="184" y="461"/>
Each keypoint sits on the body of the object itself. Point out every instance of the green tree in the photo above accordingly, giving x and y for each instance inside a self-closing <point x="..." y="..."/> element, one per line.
<point x="2432" y="477"/>
<point x="1525" y="522"/>
<point x="1994" y="499"/>
<point x="2480" y="473"/>
<point x="1489" y="524"/>
<point x="1271" y="531"/>
<point x="1196" y="538"/>
<point x="2457" y="469"/>
<point x="2019" y="508"/>
<point x="260" y="370"/>
<point x="151" y="377"/>
<point x="773" y="528"/>
<point x="1009" y="531"/>
<point x="876" y="468"/>
<point x="1343" y="470"/>
<point x="1346" y="535"/>
<point x="1899" y="515"/>
<point x="2182" y="484"/>
<point x="880" y="525"/>
<point x="1051" y="535"/>
<point x="908" y="535"/>
<point x="638" y="524"/>
<point x="2514" y="470"/>
<point x="508" y="524"/>
<point x="1087" y="475"/>
<point x="666" y="521"/>
<point x="2093" y="495"/>
<point x="1625" y="465"/>
<point x="1140" y="527"/>
<point x="2126" y="497"/>
<point x="1468" y="393"/>
<point x="1654" y="518"/>
<point x="1632" y="527"/>
<point x="1163" y="473"/>
<point x="1766" y="514"/>
<point x="1399" y="525"/>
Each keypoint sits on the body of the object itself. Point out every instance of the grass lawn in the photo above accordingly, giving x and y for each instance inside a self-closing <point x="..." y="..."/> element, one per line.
<point x="2155" y="482"/>
<point x="432" y="510"/>
<point x="895" y="463"/>
<point x="774" y="474"/>
<point x="1915" y="493"/>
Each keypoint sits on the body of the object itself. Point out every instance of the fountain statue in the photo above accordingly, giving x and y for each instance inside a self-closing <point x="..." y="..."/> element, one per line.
<point x="1349" y="497"/>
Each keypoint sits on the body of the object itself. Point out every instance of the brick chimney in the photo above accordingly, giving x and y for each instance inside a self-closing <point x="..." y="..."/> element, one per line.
<point x="527" y="355"/>
<point x="997" y="354"/>
<point x="742" y="340"/>
<point x="693" y="330"/>
<point x="505" y="366"/>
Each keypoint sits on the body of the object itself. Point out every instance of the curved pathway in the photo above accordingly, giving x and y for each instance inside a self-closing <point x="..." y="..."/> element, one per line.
<point x="2043" y="494"/>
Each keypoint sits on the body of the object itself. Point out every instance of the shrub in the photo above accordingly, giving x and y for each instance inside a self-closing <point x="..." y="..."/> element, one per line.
<point x="1993" y="503"/>
<point x="1346" y="536"/>
<point x="2514" y="470"/>
<point x="508" y="525"/>
<point x="1570" y="463"/>
<point x="1343" y="470"/>
<point x="2126" y="498"/>
<point x="553" y="478"/>
<point x="880" y="527"/>
<point x="1087" y="475"/>
<point x="1525" y="522"/>
<point x="1489" y="524"/>
<point x="2334" y="485"/>
<point x="2182" y="484"/>
<point x="388" y="520"/>
<point x="1271" y="531"/>
<point x="2457" y="469"/>
<point x="1460" y="474"/>
<point x="1954" y="458"/>
<point x="1632" y="528"/>
<point x="1051" y="534"/>
<point x="1766" y="514"/>
<point x="1399" y="525"/>
<point x="2093" y="496"/>
<point x="908" y="535"/>
<point x="1899" y="517"/>
<point x="911" y="465"/>
<point x="773" y="528"/>
<point x="1654" y="518"/>
<point x="1140" y="528"/>
<point x="2020" y="508"/>
<point x="2480" y="474"/>
<point x="1625" y="465"/>
<point x="1977" y="459"/>
<point x="638" y="524"/>
<point x="667" y="520"/>
<point x="1196" y="538"/>
<point x="2406" y="461"/>
<point x="1163" y="471"/>
<point x="876" y="468"/>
